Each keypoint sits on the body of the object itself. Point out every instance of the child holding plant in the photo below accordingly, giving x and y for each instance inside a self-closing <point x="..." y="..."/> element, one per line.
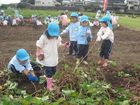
<point x="47" y="51"/>
<point x="84" y="37"/>
<point x="73" y="31"/>
<point x="20" y="63"/>
<point x="106" y="34"/>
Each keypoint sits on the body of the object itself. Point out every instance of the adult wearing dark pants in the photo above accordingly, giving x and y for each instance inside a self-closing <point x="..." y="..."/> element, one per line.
<point x="20" y="63"/>
<point x="106" y="34"/>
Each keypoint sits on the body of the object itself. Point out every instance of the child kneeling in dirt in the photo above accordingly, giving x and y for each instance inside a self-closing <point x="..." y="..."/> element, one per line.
<point x="47" y="51"/>
<point x="20" y="63"/>
<point x="106" y="34"/>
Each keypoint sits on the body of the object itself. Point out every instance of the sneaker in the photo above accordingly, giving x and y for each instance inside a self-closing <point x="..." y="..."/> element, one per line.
<point x="85" y="62"/>
<point x="69" y="54"/>
<point x="74" y="54"/>
<point x="78" y="61"/>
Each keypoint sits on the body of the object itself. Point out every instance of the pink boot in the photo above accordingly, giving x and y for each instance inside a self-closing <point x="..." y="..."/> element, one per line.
<point x="100" y="61"/>
<point x="105" y="63"/>
<point x="49" y="84"/>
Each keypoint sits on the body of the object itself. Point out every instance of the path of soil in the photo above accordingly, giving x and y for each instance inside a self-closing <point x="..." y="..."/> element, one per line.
<point x="125" y="52"/>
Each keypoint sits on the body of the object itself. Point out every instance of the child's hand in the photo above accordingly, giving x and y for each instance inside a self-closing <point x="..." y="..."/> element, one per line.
<point x="98" y="39"/>
<point x="88" y="32"/>
<point x="40" y="56"/>
<point x="66" y="44"/>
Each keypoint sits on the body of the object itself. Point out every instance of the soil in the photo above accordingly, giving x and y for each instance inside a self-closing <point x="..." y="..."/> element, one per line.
<point x="125" y="52"/>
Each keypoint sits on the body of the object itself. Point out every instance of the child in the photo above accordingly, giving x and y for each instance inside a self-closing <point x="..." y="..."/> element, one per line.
<point x="63" y="20"/>
<point x="5" y="22"/>
<point x="106" y="34"/>
<point x="84" y="36"/>
<point x="14" y="22"/>
<point x="20" y="63"/>
<point x="96" y="22"/>
<point x="73" y="31"/>
<point x="98" y="14"/>
<point x="46" y="21"/>
<point x="47" y="51"/>
<point x="9" y="19"/>
<point x="38" y="22"/>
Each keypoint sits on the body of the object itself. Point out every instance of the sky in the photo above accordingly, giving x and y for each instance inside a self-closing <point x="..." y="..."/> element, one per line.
<point x="9" y="1"/>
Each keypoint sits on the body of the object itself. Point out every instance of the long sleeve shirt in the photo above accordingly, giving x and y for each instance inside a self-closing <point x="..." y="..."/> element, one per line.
<point x="49" y="47"/>
<point x="106" y="34"/>
<point x="82" y="36"/>
<point x="18" y="66"/>
<point x="73" y="31"/>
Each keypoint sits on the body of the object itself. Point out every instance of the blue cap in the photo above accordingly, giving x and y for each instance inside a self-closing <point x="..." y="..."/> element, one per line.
<point x="33" y="16"/>
<point x="20" y="16"/>
<point x="99" y="11"/>
<point x="22" y="55"/>
<point x="66" y="11"/>
<point x="2" y="10"/>
<point x="84" y="18"/>
<point x="47" y="18"/>
<point x="106" y="19"/>
<point x="53" y="29"/>
<point x="107" y="12"/>
<point x="74" y="14"/>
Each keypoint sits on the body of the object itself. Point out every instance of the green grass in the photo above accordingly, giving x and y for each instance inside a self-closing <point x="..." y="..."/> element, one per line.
<point x="133" y="23"/>
<point x="129" y="22"/>
<point x="43" y="13"/>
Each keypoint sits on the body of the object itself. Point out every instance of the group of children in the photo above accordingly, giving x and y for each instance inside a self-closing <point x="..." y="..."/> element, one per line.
<point x="8" y="20"/>
<point x="47" y="45"/>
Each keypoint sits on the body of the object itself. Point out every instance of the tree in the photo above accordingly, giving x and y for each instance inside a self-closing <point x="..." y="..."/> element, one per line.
<point x="20" y="5"/>
<point x="60" y="1"/>
<point x="29" y="1"/>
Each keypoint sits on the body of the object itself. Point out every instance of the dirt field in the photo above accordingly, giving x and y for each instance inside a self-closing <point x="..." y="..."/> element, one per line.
<point x="125" y="52"/>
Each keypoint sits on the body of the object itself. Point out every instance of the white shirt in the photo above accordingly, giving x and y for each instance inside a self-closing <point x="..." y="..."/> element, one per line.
<point x="5" y="22"/>
<point x="106" y="34"/>
<point x="14" y="22"/>
<point x="39" y="22"/>
<point x="49" y="47"/>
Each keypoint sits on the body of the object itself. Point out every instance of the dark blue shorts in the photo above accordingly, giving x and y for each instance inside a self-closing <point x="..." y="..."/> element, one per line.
<point x="49" y="71"/>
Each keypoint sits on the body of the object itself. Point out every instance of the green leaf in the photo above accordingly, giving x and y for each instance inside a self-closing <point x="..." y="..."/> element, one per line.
<point x="126" y="102"/>
<point x="45" y="98"/>
<point x="25" y="102"/>
<point x="112" y="63"/>
<point x="66" y="66"/>
<point x="120" y="89"/>
<point x="135" y="66"/>
<point x="42" y="79"/>
<point x="127" y="75"/>
<point x="58" y="101"/>
<point x="68" y="92"/>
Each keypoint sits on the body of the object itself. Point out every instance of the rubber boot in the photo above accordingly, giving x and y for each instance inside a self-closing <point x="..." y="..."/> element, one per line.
<point x="105" y="63"/>
<point x="85" y="62"/>
<point x="100" y="61"/>
<point x="49" y="84"/>
<point x="77" y="61"/>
